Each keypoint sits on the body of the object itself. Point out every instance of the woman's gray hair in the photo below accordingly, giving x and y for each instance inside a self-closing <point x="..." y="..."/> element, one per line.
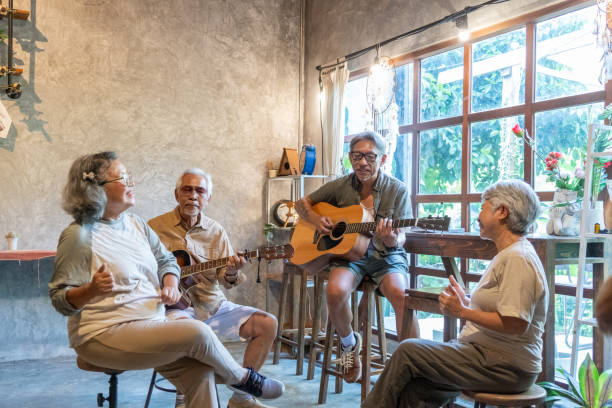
<point x="196" y="172"/>
<point x="83" y="196"/>
<point x="370" y="136"/>
<point x="520" y="199"/>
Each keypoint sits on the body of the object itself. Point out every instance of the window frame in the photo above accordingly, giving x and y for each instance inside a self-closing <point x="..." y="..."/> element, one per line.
<point x="528" y="110"/>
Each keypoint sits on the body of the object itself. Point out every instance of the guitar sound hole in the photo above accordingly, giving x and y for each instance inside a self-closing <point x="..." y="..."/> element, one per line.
<point x="338" y="231"/>
<point x="326" y="242"/>
<point x="333" y="239"/>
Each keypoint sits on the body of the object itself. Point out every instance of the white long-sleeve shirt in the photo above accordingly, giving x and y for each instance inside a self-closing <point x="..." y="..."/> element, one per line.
<point x="133" y="255"/>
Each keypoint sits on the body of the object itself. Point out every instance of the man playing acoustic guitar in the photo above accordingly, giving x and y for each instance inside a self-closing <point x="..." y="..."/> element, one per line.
<point x="187" y="228"/>
<point x="385" y="262"/>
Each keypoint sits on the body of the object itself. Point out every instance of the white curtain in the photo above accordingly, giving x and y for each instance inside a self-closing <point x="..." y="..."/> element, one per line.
<point x="333" y="81"/>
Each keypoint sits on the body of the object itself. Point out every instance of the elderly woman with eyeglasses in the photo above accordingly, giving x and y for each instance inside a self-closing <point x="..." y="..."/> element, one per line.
<point x="112" y="277"/>
<point x="500" y="347"/>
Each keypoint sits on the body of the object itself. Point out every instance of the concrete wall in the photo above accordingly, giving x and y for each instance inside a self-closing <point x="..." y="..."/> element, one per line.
<point x="167" y="84"/>
<point x="337" y="28"/>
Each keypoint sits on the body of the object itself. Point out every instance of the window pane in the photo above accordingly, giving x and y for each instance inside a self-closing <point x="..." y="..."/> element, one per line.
<point x="564" y="314"/>
<point x="403" y="93"/>
<point x="496" y="152"/>
<point x="567" y="59"/>
<point x="402" y="159"/>
<point x="474" y="211"/>
<point x="355" y="106"/>
<point x="498" y="71"/>
<point x="442" y="85"/>
<point x="453" y="210"/>
<point x="440" y="161"/>
<point x="565" y="131"/>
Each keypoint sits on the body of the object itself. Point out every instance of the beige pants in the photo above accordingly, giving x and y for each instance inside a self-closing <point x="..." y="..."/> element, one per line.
<point x="186" y="352"/>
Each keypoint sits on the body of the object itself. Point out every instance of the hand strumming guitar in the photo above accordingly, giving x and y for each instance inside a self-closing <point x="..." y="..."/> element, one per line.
<point x="304" y="209"/>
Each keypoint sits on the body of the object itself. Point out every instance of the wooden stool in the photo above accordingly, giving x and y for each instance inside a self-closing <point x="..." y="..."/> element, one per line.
<point x="315" y="336"/>
<point x="373" y="357"/>
<point x="112" y="388"/>
<point x="287" y="336"/>
<point x="298" y="336"/>
<point x="535" y="395"/>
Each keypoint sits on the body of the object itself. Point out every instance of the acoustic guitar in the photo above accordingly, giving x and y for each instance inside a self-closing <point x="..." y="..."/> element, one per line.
<point x="189" y="271"/>
<point x="349" y="237"/>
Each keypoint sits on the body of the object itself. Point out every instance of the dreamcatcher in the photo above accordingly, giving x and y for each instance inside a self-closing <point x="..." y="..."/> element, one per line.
<point x="380" y="94"/>
<point x="604" y="28"/>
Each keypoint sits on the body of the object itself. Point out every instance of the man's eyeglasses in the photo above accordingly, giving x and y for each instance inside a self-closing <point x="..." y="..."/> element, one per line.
<point x="125" y="179"/>
<point x="188" y="190"/>
<point x="357" y="156"/>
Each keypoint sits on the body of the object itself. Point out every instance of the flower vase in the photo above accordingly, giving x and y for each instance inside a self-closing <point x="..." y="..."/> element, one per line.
<point x="564" y="215"/>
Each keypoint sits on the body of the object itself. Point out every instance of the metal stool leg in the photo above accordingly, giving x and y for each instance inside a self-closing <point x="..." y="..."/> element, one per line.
<point x="112" y="393"/>
<point x="150" y="389"/>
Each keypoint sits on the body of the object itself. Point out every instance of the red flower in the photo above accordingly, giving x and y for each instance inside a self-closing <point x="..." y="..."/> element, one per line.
<point x="518" y="131"/>
<point x="607" y="164"/>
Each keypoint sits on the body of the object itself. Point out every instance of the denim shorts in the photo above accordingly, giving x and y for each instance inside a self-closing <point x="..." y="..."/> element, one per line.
<point x="375" y="265"/>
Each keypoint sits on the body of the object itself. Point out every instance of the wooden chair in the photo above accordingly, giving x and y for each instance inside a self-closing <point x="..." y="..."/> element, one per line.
<point x="373" y="357"/>
<point x="113" y="382"/>
<point x="534" y="396"/>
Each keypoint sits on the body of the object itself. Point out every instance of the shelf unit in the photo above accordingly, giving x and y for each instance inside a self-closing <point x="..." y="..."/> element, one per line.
<point x="297" y="188"/>
<point x="578" y="319"/>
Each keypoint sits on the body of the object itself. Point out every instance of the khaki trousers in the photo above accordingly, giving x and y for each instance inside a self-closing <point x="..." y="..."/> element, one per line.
<point x="424" y="373"/>
<point x="186" y="352"/>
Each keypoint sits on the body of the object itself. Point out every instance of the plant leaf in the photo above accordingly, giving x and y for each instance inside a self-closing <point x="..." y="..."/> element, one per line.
<point x="604" y="391"/>
<point x="572" y="385"/>
<point x="553" y="389"/>
<point x="588" y="377"/>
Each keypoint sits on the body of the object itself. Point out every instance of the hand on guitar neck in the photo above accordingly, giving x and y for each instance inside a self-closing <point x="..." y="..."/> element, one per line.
<point x="234" y="263"/>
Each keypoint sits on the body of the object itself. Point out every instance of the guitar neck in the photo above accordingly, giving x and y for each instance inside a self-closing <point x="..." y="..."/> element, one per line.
<point x="214" y="264"/>
<point x="360" y="227"/>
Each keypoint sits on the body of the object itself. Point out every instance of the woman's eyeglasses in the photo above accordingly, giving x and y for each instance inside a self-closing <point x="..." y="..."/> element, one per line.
<point x="125" y="179"/>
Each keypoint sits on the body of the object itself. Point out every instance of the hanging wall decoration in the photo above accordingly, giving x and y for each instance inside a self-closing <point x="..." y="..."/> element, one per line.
<point x="380" y="94"/>
<point x="12" y="88"/>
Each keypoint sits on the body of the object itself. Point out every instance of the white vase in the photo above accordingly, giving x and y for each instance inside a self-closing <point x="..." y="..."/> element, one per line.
<point x="12" y="243"/>
<point x="564" y="215"/>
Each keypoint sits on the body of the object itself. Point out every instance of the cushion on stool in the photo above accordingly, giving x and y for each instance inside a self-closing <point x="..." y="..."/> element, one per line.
<point x="534" y="395"/>
<point x="84" y="365"/>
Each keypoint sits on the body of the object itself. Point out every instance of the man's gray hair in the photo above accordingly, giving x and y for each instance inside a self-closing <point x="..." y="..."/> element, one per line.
<point x="520" y="199"/>
<point x="197" y="172"/>
<point x="83" y="195"/>
<point x="370" y="136"/>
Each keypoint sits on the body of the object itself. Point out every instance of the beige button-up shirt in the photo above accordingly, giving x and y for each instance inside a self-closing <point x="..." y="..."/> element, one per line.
<point x="205" y="241"/>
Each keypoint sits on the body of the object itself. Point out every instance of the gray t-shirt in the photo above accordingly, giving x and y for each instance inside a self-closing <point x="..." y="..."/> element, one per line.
<point x="391" y="198"/>
<point x="513" y="285"/>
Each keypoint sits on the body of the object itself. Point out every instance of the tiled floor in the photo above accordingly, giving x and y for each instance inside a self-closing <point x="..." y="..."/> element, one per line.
<point x="59" y="383"/>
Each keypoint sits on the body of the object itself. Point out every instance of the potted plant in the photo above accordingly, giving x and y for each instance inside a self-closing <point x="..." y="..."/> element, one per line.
<point x="593" y="390"/>
<point x="11" y="240"/>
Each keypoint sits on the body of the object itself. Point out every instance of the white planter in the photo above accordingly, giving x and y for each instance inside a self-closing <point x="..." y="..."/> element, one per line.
<point x="12" y="243"/>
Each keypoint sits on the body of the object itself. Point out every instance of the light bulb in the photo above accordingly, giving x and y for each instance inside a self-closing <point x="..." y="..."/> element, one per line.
<point x="462" y="25"/>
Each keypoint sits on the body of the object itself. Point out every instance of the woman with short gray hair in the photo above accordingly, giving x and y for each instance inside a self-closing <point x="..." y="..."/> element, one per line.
<point x="499" y="349"/>
<point x="112" y="277"/>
